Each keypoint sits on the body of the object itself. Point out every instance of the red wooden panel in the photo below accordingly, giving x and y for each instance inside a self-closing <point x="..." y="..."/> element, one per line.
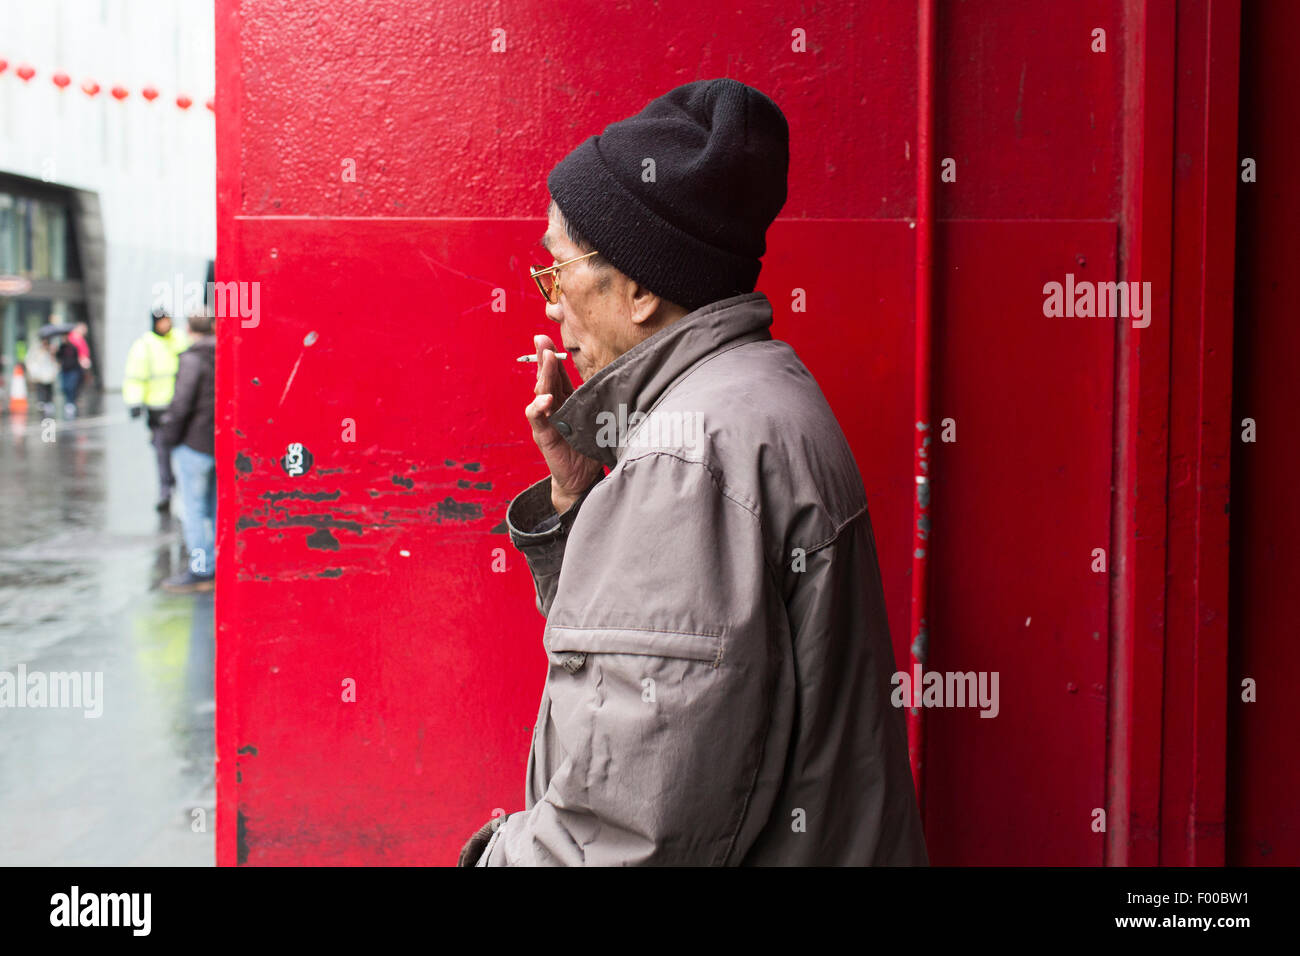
<point x="1192" y="778"/>
<point x="1020" y="500"/>
<point x="376" y="564"/>
<point x="438" y="124"/>
<point x="447" y="651"/>
<point x="1028" y="111"/>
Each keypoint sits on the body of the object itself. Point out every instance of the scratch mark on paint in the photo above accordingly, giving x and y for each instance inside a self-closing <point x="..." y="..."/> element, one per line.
<point x="1020" y="99"/>
<point x="294" y="372"/>
<point x="435" y="266"/>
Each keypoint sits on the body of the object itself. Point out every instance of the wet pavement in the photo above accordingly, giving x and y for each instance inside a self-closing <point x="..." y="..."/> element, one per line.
<point x="82" y="551"/>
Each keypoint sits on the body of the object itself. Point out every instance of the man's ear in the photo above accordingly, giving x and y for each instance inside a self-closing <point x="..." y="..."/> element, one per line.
<point x="645" y="304"/>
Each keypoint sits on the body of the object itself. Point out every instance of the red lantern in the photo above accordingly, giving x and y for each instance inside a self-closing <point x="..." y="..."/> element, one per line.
<point x="26" y="72"/>
<point x="61" y="80"/>
<point x="149" y="93"/>
<point x="4" y="65"/>
<point x="119" y="93"/>
<point x="90" y="87"/>
<point x="184" y="102"/>
<point x="211" y="104"/>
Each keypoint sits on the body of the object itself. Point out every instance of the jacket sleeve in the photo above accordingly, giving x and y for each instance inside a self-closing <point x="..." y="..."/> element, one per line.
<point x="664" y="643"/>
<point x="540" y="535"/>
<point x="184" y="400"/>
<point x="136" y="374"/>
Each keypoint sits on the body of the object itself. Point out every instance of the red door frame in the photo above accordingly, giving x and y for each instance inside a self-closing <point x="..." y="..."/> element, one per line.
<point x="1167" y="762"/>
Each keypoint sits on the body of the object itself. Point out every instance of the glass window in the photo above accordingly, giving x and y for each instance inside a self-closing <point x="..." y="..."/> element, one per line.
<point x="34" y="237"/>
<point x="8" y="235"/>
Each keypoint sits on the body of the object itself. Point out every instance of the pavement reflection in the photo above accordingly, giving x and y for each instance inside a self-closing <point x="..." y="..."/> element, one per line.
<point x="82" y="552"/>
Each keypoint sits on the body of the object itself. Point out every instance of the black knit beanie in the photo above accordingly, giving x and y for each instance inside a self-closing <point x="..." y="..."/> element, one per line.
<point x="695" y="233"/>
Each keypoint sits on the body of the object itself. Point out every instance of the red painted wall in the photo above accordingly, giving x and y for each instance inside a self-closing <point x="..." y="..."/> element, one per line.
<point x="378" y="349"/>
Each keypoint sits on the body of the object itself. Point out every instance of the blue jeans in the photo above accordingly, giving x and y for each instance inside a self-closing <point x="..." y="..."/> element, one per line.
<point x="70" y="384"/>
<point x="196" y="473"/>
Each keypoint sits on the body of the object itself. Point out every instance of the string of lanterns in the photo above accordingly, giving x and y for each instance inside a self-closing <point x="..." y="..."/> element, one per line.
<point x="26" y="72"/>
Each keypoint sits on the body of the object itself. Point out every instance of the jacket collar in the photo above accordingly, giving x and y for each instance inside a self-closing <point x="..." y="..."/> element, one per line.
<point x="638" y="378"/>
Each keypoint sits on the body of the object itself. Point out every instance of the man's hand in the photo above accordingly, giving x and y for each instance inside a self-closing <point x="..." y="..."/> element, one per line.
<point x="135" y="411"/>
<point x="572" y="473"/>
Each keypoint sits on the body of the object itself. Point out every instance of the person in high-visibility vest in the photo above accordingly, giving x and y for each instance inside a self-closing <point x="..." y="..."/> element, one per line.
<point x="147" y="387"/>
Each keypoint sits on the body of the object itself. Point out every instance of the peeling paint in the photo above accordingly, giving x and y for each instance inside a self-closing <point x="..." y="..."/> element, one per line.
<point x="472" y="466"/>
<point x="452" y="510"/>
<point x="247" y="749"/>
<point x="921" y="646"/>
<point x="243" y="463"/>
<point x="241" y="831"/>
<point x="246" y="522"/>
<point x="331" y="573"/>
<point x="323" y="539"/>
<point x="501" y="528"/>
<point x="404" y="482"/>
<point x="274" y="497"/>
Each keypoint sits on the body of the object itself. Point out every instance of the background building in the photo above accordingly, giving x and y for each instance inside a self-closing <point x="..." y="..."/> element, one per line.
<point x="106" y="178"/>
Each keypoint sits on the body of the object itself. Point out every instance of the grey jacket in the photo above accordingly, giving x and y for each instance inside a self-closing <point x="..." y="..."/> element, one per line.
<point x="719" y="682"/>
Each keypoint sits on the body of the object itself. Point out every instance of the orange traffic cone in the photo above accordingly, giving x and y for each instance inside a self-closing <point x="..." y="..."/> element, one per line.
<point x="18" y="392"/>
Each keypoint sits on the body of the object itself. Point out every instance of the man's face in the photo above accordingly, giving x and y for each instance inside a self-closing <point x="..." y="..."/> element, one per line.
<point x="163" y="325"/>
<point x="596" y="324"/>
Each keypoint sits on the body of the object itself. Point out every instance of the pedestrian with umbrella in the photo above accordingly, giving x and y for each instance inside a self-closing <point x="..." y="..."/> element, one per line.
<point x="71" y="372"/>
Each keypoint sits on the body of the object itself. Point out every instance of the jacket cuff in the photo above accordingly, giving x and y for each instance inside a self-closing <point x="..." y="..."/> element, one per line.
<point x="485" y="857"/>
<point x="532" y="522"/>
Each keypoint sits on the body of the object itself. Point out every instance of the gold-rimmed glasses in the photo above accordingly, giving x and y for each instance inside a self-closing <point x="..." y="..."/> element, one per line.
<point x="548" y="280"/>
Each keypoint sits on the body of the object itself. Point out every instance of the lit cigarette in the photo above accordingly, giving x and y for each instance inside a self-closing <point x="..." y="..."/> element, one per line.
<point x="533" y="358"/>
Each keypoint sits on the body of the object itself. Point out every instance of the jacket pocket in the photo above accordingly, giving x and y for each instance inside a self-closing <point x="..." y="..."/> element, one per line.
<point x="570" y="645"/>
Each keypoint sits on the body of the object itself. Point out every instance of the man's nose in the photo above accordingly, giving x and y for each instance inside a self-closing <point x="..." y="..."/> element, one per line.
<point x="554" y="312"/>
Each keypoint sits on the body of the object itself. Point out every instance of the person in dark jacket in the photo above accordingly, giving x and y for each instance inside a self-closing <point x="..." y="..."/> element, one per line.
<point x="71" y="375"/>
<point x="189" y="430"/>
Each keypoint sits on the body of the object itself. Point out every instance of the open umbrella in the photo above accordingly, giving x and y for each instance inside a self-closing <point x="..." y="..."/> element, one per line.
<point x="55" y="328"/>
